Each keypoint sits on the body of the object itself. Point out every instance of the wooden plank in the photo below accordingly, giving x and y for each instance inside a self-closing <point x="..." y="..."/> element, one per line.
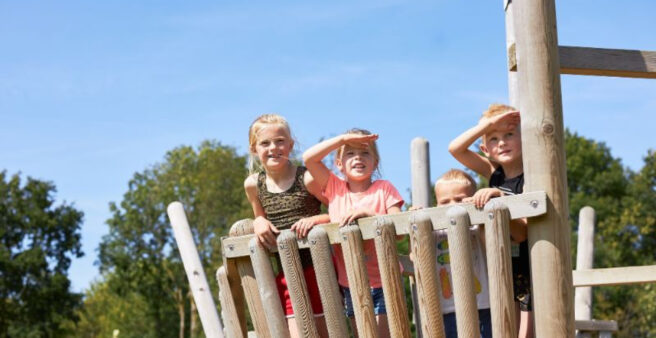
<point x="358" y="280"/>
<point x="584" y="260"/>
<point x="499" y="268"/>
<point x="607" y="62"/>
<point x="596" y="325"/>
<point x="615" y="276"/>
<point x="397" y="312"/>
<point x="296" y="284"/>
<point x="231" y="322"/>
<point x="236" y="291"/>
<point x="462" y="272"/>
<point x="422" y="245"/>
<point x="331" y="297"/>
<point x="521" y="206"/>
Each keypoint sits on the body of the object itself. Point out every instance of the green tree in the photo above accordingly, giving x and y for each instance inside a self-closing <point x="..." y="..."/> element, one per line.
<point x="37" y="241"/>
<point x="140" y="251"/>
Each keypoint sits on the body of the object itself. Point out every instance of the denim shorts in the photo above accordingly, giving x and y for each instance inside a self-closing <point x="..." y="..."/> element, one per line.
<point x="485" y="324"/>
<point x="376" y="295"/>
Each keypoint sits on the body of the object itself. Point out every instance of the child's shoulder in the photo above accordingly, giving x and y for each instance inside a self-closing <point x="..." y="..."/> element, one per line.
<point x="251" y="181"/>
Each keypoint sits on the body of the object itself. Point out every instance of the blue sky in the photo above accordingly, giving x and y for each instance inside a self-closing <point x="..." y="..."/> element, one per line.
<point x="93" y="91"/>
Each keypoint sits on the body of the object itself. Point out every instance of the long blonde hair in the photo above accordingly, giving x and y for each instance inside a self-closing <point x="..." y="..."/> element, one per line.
<point x="260" y="122"/>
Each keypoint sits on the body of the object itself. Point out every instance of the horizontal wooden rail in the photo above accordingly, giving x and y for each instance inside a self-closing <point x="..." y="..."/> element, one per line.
<point x="601" y="62"/>
<point x="596" y="325"/>
<point x="529" y="204"/>
<point x="615" y="276"/>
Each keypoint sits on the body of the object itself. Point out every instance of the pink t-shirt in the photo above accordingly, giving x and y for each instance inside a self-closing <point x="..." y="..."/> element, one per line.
<point x="380" y="196"/>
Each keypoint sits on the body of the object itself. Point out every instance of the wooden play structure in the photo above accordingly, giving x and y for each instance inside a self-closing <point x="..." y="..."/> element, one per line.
<point x="246" y="279"/>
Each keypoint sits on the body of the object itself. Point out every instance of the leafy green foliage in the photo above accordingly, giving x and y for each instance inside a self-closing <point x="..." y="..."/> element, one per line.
<point x="37" y="241"/>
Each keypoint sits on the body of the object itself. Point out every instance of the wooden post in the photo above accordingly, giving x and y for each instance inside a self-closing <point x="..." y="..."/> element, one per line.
<point x="248" y="282"/>
<point x="358" y="279"/>
<point x="462" y="272"/>
<point x="513" y="90"/>
<point x="544" y="165"/>
<point x="584" y="261"/>
<point x="420" y="167"/>
<point x="232" y="325"/>
<point x="499" y="269"/>
<point x="324" y="269"/>
<point x="422" y="243"/>
<point x="397" y="312"/>
<point x="298" y="292"/>
<point x="195" y="273"/>
<point x="266" y="285"/>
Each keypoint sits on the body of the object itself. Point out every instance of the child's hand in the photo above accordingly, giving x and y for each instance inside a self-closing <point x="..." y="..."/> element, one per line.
<point x="504" y="122"/>
<point x="303" y="226"/>
<point x="358" y="140"/>
<point x="353" y="215"/>
<point x="265" y="232"/>
<point x="482" y="196"/>
<point x="415" y="207"/>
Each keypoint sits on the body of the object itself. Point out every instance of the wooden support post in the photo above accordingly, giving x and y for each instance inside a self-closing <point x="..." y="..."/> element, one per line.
<point x="298" y="292"/>
<point x="513" y="90"/>
<point x="231" y="324"/>
<point x="248" y="282"/>
<point x="356" y="271"/>
<point x="544" y="166"/>
<point x="266" y="284"/>
<point x="462" y="272"/>
<point x="584" y="261"/>
<point x="397" y="312"/>
<point x="236" y="291"/>
<point x="200" y="289"/>
<point x="324" y="269"/>
<point x="422" y="241"/>
<point x="420" y="167"/>
<point x="499" y="268"/>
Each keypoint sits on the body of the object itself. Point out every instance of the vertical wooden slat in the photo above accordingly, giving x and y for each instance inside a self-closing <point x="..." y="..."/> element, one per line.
<point x="356" y="271"/>
<point x="236" y="292"/>
<point x="584" y="261"/>
<point x="298" y="292"/>
<point x="331" y="298"/>
<point x="248" y="282"/>
<point x="397" y="312"/>
<point x="422" y="243"/>
<point x="462" y="272"/>
<point x="499" y="267"/>
<point x="231" y="323"/>
<point x="266" y="283"/>
<point x="544" y="165"/>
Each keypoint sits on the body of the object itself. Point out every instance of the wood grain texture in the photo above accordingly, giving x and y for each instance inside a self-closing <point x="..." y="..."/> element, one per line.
<point x="422" y="245"/>
<point x="291" y="265"/>
<point x="499" y="268"/>
<point x="462" y="272"/>
<point x="607" y="62"/>
<point x="236" y="290"/>
<point x="615" y="276"/>
<point x="231" y="324"/>
<point x="390" y="273"/>
<point x="358" y="279"/>
<point x="331" y="298"/>
<point x="273" y="311"/>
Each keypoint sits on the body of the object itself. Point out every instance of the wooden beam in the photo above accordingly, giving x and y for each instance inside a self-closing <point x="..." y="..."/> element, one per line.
<point x="596" y="325"/>
<point x="600" y="61"/>
<point x="521" y="206"/>
<point x="615" y="276"/>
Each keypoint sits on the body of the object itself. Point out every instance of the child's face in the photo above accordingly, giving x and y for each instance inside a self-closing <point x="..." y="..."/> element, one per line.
<point x="273" y="146"/>
<point x="503" y="147"/>
<point x="452" y="192"/>
<point x="357" y="163"/>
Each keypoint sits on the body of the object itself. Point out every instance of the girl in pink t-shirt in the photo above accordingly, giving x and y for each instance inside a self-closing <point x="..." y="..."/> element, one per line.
<point x="354" y="197"/>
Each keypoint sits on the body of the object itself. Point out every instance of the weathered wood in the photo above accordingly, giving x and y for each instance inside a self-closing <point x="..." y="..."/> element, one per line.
<point x="298" y="292"/>
<point x="247" y="278"/>
<point x="584" y="260"/>
<point x="615" y="276"/>
<point x="596" y="325"/>
<point x="331" y="298"/>
<point x="416" y="316"/>
<point x="420" y="169"/>
<point x="462" y="272"/>
<point x="397" y="312"/>
<point x="607" y="62"/>
<point x="422" y="245"/>
<point x="231" y="323"/>
<point x="513" y="90"/>
<point x="358" y="279"/>
<point x="529" y="204"/>
<point x="266" y="283"/>
<point x="236" y="290"/>
<point x="499" y="268"/>
<point x="200" y="289"/>
<point x="544" y="166"/>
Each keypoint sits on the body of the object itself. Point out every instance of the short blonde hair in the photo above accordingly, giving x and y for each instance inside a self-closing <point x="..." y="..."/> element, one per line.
<point x="457" y="176"/>
<point x="497" y="109"/>
<point x="260" y="122"/>
<point x="372" y="146"/>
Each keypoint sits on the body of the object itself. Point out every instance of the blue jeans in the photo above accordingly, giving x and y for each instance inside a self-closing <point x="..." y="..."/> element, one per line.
<point x="484" y="321"/>
<point x="376" y="295"/>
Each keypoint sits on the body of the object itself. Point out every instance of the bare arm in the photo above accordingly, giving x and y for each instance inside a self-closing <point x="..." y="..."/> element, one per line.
<point x="264" y="230"/>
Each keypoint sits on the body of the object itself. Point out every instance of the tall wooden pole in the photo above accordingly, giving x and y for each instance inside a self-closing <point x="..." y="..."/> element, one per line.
<point x="584" y="260"/>
<point x="513" y="90"/>
<point x="544" y="165"/>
